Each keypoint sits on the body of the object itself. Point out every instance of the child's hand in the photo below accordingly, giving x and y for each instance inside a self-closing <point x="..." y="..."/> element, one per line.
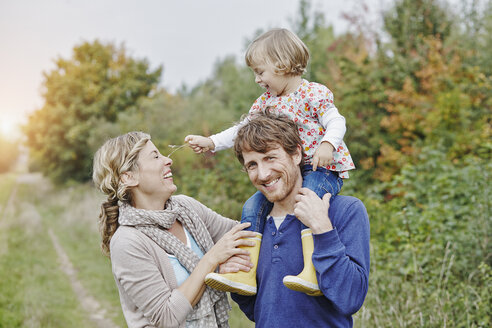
<point x="199" y="144"/>
<point x="323" y="156"/>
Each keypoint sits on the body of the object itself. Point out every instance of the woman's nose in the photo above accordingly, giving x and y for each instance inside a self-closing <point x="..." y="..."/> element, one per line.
<point x="168" y="161"/>
<point x="257" y="79"/>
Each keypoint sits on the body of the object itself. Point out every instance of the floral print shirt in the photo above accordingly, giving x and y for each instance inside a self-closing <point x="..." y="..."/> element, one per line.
<point x="311" y="107"/>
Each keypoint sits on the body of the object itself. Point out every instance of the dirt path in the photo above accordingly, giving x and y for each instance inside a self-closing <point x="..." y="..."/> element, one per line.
<point x="95" y="311"/>
<point x="89" y="303"/>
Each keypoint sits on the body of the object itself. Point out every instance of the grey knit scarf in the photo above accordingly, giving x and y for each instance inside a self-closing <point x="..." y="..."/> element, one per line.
<point x="155" y="225"/>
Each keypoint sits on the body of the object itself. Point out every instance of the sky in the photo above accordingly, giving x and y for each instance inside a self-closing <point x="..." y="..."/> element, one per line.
<point x="186" y="37"/>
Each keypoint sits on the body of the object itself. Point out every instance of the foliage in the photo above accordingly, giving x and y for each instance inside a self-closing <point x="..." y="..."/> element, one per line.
<point x="403" y="93"/>
<point x="474" y="34"/>
<point x="9" y="153"/>
<point x="430" y="246"/>
<point x="409" y="22"/>
<point x="94" y="86"/>
<point x="448" y="106"/>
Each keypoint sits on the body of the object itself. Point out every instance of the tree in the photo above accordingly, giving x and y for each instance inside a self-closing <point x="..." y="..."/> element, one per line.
<point x="409" y="23"/>
<point x="434" y="96"/>
<point x="92" y="87"/>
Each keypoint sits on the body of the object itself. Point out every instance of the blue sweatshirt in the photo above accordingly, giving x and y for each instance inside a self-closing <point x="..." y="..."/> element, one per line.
<point x="341" y="259"/>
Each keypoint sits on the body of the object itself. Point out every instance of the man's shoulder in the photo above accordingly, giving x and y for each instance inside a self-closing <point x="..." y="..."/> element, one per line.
<point x="342" y="200"/>
<point x="347" y="203"/>
<point x="348" y="211"/>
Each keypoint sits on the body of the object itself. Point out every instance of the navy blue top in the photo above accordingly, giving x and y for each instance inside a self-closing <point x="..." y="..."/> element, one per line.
<point x="341" y="259"/>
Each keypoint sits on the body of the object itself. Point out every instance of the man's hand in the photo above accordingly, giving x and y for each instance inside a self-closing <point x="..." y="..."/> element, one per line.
<point x="323" y="156"/>
<point x="199" y="144"/>
<point x="313" y="211"/>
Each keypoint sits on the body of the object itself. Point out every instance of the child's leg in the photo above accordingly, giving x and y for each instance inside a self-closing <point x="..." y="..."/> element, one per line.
<point x="320" y="181"/>
<point x="255" y="211"/>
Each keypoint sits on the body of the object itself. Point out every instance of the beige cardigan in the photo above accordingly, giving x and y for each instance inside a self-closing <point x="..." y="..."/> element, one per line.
<point x="145" y="277"/>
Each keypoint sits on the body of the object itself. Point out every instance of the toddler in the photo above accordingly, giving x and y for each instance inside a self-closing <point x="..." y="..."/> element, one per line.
<point x="278" y="59"/>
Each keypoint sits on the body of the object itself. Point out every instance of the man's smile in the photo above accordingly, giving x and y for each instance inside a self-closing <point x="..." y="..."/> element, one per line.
<point x="271" y="183"/>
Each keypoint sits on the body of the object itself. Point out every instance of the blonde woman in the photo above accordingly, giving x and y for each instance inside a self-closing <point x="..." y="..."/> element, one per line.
<point x="162" y="246"/>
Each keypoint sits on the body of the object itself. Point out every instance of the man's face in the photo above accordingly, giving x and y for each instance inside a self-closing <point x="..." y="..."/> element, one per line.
<point x="275" y="173"/>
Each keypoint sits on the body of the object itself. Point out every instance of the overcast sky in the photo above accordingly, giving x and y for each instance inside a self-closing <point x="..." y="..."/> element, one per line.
<point x="185" y="36"/>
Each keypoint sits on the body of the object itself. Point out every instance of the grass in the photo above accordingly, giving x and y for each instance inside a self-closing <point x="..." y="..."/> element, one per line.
<point x="34" y="292"/>
<point x="237" y="319"/>
<point x="7" y="182"/>
<point x="66" y="213"/>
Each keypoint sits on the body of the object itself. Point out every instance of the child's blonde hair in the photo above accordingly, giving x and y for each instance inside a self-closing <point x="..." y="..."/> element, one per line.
<point x="280" y="48"/>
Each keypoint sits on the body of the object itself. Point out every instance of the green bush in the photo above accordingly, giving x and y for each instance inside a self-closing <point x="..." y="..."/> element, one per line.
<point x="430" y="251"/>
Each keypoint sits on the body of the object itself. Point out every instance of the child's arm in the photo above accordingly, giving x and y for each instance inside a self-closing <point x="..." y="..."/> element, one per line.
<point x="199" y="144"/>
<point x="334" y="124"/>
<point x="220" y="141"/>
<point x="335" y="128"/>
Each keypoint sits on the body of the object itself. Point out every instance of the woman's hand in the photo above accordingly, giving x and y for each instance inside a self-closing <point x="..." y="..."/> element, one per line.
<point x="228" y="245"/>
<point x="199" y="144"/>
<point x="236" y="263"/>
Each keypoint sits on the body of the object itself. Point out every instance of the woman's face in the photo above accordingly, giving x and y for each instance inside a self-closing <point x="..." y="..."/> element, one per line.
<point x="154" y="177"/>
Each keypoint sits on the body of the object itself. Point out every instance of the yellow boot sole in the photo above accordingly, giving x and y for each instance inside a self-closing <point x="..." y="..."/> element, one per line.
<point x="220" y="282"/>
<point x="300" y="285"/>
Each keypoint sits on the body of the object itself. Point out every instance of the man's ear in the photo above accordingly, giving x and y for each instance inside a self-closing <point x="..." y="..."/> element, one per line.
<point x="130" y="179"/>
<point x="298" y="155"/>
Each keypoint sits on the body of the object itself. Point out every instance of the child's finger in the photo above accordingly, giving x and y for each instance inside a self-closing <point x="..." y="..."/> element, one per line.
<point x="315" y="162"/>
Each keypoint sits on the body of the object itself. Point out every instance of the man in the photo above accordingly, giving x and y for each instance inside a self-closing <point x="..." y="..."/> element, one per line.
<point x="271" y="152"/>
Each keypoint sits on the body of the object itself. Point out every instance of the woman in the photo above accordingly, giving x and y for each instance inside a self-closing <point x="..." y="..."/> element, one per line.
<point x="161" y="246"/>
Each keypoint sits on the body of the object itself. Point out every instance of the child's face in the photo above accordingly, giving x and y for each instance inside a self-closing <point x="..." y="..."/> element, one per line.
<point x="277" y="84"/>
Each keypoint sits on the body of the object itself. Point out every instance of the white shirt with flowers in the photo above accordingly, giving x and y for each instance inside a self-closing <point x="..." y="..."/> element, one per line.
<point x="311" y="107"/>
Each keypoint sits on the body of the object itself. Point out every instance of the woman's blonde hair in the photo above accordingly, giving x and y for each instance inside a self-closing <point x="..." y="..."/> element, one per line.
<point x="115" y="157"/>
<point x="280" y="48"/>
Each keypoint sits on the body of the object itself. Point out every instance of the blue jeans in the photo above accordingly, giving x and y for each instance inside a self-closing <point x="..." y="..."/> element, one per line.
<point x="321" y="181"/>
